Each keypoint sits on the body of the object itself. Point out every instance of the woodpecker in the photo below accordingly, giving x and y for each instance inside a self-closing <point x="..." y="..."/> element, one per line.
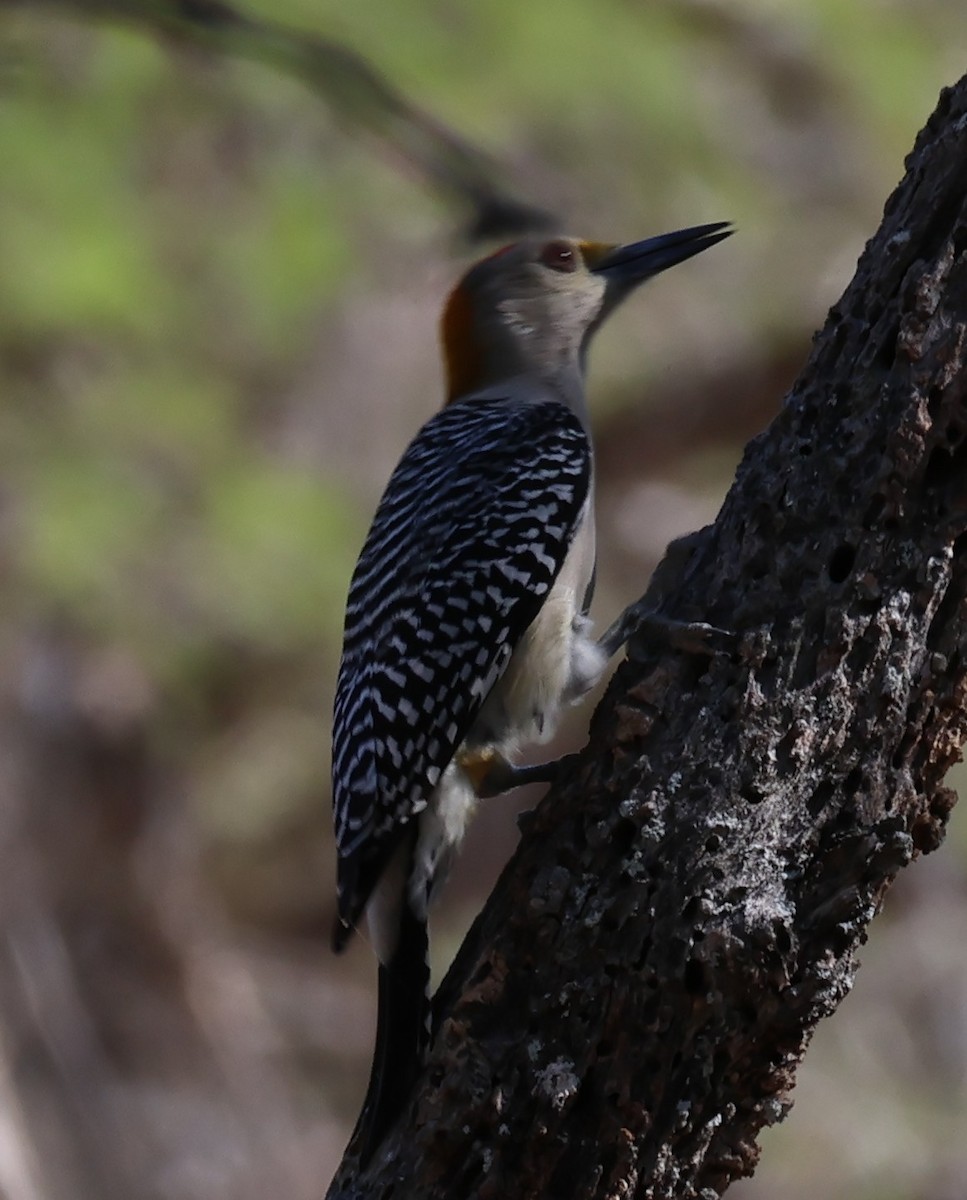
<point x="466" y="625"/>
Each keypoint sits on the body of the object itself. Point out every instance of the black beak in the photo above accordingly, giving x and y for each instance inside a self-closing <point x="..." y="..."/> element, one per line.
<point x="626" y="266"/>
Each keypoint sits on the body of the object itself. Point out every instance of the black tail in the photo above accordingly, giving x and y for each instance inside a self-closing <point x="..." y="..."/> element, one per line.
<point x="402" y="1032"/>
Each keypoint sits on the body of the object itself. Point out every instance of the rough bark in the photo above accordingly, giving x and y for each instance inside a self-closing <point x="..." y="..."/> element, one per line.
<point x="630" y="1009"/>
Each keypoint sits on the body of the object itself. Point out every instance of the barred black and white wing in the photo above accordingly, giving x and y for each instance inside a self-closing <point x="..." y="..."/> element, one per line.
<point x="472" y="530"/>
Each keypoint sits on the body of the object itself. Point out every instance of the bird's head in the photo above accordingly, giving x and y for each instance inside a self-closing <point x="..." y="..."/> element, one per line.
<point x="531" y="308"/>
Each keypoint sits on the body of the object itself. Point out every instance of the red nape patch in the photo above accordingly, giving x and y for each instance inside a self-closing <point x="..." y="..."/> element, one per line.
<point x="461" y="345"/>
<point x="460" y="348"/>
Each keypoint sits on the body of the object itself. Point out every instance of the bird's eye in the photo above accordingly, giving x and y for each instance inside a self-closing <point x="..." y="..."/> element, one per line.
<point x="560" y="256"/>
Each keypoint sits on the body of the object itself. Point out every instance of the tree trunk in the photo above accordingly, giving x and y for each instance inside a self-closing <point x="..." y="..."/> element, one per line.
<point x="630" y="1009"/>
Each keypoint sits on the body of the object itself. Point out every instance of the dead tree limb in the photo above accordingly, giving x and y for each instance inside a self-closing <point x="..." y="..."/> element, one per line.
<point x="630" y="1009"/>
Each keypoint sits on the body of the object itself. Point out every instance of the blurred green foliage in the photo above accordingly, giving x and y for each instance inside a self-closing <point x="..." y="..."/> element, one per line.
<point x="154" y="266"/>
<point x="174" y="229"/>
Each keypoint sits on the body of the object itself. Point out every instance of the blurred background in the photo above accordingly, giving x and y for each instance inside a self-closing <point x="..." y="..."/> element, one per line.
<point x="219" y="289"/>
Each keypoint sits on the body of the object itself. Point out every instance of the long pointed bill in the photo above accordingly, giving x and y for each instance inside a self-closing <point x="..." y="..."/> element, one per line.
<point x="624" y="267"/>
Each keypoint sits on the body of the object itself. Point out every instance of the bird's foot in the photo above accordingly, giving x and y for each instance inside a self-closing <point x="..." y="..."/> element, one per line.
<point x="492" y="775"/>
<point x="691" y="637"/>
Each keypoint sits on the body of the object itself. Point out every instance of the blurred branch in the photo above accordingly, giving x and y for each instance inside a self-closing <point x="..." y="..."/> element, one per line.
<point x="447" y="163"/>
<point x="630" y="1009"/>
<point x="765" y="50"/>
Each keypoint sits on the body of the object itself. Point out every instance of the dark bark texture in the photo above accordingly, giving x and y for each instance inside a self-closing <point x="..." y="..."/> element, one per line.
<point x="630" y="1009"/>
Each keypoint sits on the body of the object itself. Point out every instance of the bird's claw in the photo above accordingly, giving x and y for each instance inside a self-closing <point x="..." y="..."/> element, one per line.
<point x="691" y="637"/>
<point x="698" y="637"/>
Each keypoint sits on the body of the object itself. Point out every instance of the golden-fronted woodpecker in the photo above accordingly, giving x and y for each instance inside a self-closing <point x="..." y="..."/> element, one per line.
<point x="466" y="625"/>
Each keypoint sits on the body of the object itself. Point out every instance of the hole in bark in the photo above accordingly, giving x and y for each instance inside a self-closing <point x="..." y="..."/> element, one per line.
<point x="820" y="798"/>
<point x="841" y="562"/>
<point x="934" y="397"/>
<point x="482" y="974"/>
<point x="944" y="216"/>
<point x="867" y="606"/>
<point x="805" y="449"/>
<point x="945" y="465"/>
<point x="787" y="743"/>
<point x="957" y="549"/>
<point x="694" y="978"/>
<point x="783" y="940"/>
<point x="886" y="354"/>
<point x="760" y="565"/>
<point x="938" y="467"/>
<point x="623" y="835"/>
<point x="712" y="843"/>
<point x="853" y="782"/>
<point x="841" y="821"/>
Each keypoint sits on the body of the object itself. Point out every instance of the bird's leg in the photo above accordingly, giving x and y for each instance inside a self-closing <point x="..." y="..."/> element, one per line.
<point x="643" y="618"/>
<point x="691" y="637"/>
<point x="492" y="775"/>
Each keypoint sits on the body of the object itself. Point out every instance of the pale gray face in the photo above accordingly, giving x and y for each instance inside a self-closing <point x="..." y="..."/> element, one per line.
<point x="538" y="300"/>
